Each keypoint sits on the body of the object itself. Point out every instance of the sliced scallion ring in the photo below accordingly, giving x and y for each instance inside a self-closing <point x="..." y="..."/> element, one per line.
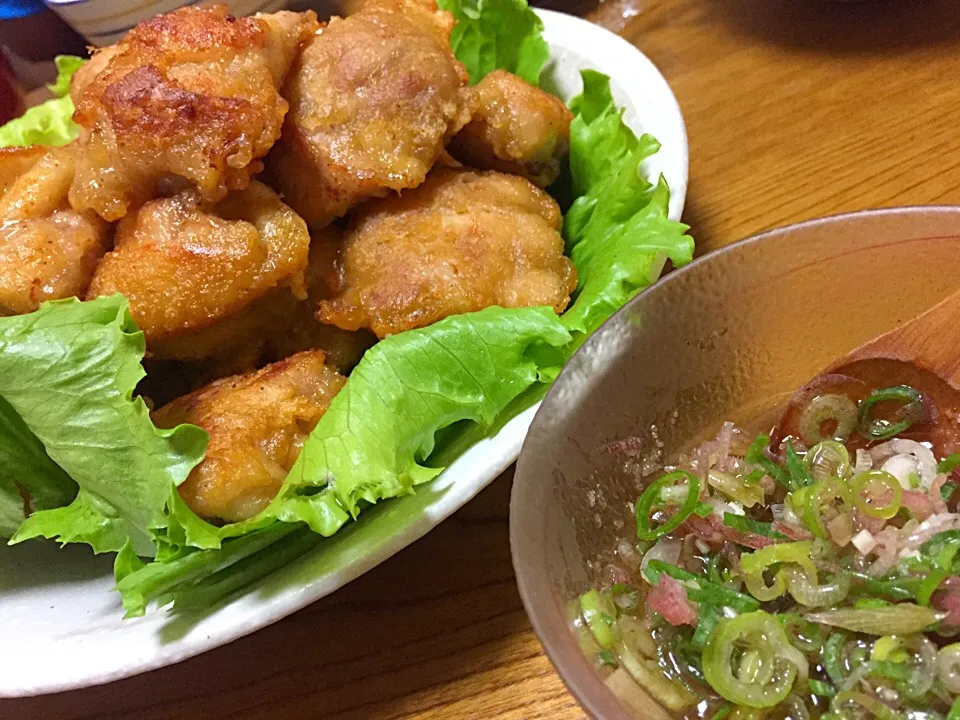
<point x="839" y="409"/>
<point x="744" y="660"/>
<point x="911" y="410"/>
<point x="651" y="498"/>
<point x="819" y="495"/>
<point x="828" y="458"/>
<point x="869" y="487"/>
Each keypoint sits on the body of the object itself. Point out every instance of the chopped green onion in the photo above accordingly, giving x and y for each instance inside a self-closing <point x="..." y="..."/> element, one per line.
<point x="827" y="459"/>
<point x="746" y="661"/>
<point x="949" y="464"/>
<point x="651" y="498"/>
<point x="703" y="510"/>
<point x="889" y="648"/>
<point x="706" y="591"/>
<point x="804" y="634"/>
<point x="864" y="490"/>
<point x="869" y="603"/>
<point x="947" y="490"/>
<point x="754" y="564"/>
<point x="839" y="409"/>
<point x="832" y="660"/>
<point x="607" y="657"/>
<point x="709" y="616"/>
<point x="893" y="588"/>
<point x="890" y="669"/>
<point x="821" y="688"/>
<point x="722" y="712"/>
<point x="873" y="706"/>
<point x="816" y="497"/>
<point x="600" y="613"/>
<point x="799" y="477"/>
<point x="954" y="713"/>
<point x="940" y="551"/>
<point x="755" y="456"/>
<point x="901" y="619"/>
<point x="743" y="489"/>
<point x="625" y="597"/>
<point x="747" y="524"/>
<point x="911" y="411"/>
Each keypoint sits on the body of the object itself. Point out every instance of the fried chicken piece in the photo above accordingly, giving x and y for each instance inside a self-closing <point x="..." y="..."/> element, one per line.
<point x="301" y="330"/>
<point x="184" y="268"/>
<point x="257" y="424"/>
<point x="276" y="326"/>
<point x="514" y="128"/>
<point x="460" y="242"/>
<point x="186" y="100"/>
<point x="373" y="100"/>
<point x="47" y="250"/>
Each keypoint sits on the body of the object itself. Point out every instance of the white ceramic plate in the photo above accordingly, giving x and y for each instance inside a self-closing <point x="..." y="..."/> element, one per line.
<point x="62" y="626"/>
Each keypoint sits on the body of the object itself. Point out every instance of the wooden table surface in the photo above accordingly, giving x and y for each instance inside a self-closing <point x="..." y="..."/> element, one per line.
<point x="795" y="109"/>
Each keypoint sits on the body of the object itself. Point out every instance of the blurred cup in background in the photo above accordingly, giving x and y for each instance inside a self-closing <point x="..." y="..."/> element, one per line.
<point x="30" y="37"/>
<point x="103" y="22"/>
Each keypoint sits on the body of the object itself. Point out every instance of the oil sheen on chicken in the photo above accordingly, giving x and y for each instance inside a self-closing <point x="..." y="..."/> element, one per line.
<point x="373" y="99"/>
<point x="278" y="325"/>
<point x="186" y="100"/>
<point x="462" y="241"/>
<point x="257" y="424"/>
<point x="47" y="250"/>
<point x="184" y="268"/>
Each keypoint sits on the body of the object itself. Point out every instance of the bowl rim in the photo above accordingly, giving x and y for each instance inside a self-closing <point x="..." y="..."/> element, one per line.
<point x="576" y="672"/>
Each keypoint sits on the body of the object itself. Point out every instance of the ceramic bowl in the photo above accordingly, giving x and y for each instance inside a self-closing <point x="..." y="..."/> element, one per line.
<point x="728" y="337"/>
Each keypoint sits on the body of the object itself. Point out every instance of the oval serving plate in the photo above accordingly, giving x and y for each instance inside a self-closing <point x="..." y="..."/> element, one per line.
<point x="61" y="604"/>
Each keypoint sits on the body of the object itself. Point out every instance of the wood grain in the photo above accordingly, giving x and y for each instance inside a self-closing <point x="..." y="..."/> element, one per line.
<point x="795" y="109"/>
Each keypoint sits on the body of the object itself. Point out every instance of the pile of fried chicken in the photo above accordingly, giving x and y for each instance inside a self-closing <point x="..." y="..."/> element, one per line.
<point x="272" y="194"/>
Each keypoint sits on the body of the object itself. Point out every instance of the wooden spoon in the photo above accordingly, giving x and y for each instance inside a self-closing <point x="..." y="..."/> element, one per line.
<point x="923" y="353"/>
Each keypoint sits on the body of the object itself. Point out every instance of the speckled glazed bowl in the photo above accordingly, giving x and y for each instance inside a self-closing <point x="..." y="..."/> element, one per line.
<point x="726" y="338"/>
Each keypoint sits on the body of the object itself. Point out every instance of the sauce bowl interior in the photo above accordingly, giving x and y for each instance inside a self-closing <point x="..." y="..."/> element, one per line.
<point x="729" y="337"/>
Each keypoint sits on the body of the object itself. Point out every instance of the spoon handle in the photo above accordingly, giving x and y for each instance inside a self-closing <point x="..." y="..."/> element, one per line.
<point x="930" y="341"/>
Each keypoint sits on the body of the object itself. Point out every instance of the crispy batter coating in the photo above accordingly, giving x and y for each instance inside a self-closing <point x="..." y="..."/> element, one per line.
<point x="460" y="242"/>
<point x="373" y="99"/>
<point x="278" y="325"/>
<point x="184" y="268"/>
<point x="299" y="329"/>
<point x="47" y="250"/>
<point x="187" y="99"/>
<point x="514" y="128"/>
<point x="257" y="423"/>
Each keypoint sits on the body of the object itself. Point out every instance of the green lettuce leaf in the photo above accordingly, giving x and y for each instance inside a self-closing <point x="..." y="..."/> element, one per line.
<point x="498" y="35"/>
<point x="370" y="443"/>
<point x="373" y="441"/>
<point x="618" y="232"/>
<point x="29" y="479"/>
<point x="51" y="122"/>
<point x="68" y="371"/>
<point x="417" y="399"/>
<point x="400" y="417"/>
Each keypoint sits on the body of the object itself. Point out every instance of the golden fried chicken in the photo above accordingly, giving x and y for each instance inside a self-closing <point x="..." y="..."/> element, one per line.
<point x="462" y="241"/>
<point x="514" y="128"/>
<point x="184" y="268"/>
<point x="373" y="99"/>
<point x="257" y="425"/>
<point x="47" y="250"/>
<point x="299" y="329"/>
<point x="276" y="326"/>
<point x="185" y="100"/>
